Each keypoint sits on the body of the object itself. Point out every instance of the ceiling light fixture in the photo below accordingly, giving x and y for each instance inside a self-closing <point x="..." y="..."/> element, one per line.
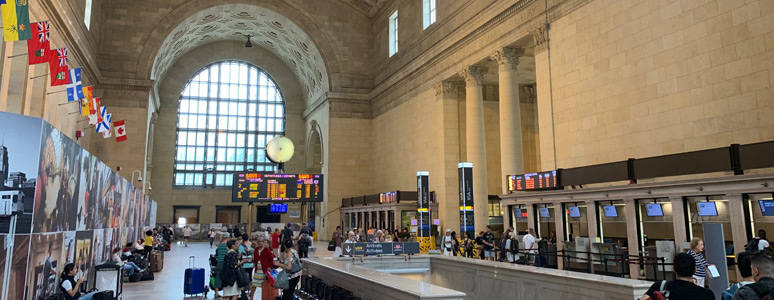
<point x="248" y="44"/>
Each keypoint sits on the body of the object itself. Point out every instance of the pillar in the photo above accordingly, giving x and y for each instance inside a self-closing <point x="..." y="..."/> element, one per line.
<point x="679" y="221"/>
<point x="591" y="221"/>
<point x="736" y="214"/>
<point x="559" y="216"/>
<point x="476" y="141"/>
<point x="630" y="212"/>
<point x="511" y="149"/>
<point x="448" y="93"/>
<point x="545" y="106"/>
<point x="5" y="80"/>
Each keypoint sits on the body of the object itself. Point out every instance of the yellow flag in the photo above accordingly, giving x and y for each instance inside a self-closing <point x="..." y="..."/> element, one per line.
<point x="85" y="107"/>
<point x="9" y="22"/>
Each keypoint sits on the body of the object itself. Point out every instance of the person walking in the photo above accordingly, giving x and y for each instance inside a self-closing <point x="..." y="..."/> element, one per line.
<point x="288" y="258"/>
<point x="275" y="244"/>
<point x="697" y="252"/>
<point x="212" y="236"/>
<point x="287" y="235"/>
<point x="447" y="243"/>
<point x="338" y="239"/>
<point x="186" y="234"/>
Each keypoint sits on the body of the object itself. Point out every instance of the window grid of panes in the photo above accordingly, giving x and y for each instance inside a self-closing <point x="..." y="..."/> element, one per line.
<point x="432" y="11"/>
<point x="227" y="113"/>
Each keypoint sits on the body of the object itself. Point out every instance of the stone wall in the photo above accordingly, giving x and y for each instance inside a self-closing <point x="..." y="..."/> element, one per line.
<point x="636" y="79"/>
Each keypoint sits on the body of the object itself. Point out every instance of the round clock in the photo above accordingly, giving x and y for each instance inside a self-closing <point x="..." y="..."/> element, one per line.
<point x="279" y="149"/>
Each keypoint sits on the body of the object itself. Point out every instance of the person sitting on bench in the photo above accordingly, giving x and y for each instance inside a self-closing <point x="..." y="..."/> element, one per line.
<point x="70" y="288"/>
<point x="129" y="266"/>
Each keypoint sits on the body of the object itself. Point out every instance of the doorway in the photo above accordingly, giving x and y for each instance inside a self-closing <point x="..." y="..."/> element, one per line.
<point x="228" y="214"/>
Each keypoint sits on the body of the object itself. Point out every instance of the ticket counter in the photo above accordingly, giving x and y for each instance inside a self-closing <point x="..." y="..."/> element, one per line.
<point x="707" y="209"/>
<point x="760" y="210"/>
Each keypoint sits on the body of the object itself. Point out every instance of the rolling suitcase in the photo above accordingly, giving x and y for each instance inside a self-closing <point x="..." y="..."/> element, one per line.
<point x="193" y="283"/>
<point x="156" y="261"/>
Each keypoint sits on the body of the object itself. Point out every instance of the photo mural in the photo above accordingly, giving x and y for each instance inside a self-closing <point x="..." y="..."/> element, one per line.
<point x="69" y="207"/>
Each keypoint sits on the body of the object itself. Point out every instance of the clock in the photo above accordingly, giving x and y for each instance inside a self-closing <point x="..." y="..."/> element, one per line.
<point x="280" y="149"/>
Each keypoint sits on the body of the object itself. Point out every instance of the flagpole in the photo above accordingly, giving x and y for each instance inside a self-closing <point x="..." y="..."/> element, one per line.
<point x="56" y="92"/>
<point x="60" y="104"/>
<point x="39" y="76"/>
<point x="75" y="112"/>
<point x="12" y="56"/>
<point x="82" y="121"/>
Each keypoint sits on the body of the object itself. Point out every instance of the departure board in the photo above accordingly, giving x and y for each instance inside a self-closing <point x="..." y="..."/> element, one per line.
<point x="270" y="187"/>
<point x="533" y="182"/>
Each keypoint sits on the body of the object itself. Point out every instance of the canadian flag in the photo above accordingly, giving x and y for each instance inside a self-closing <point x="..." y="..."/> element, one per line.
<point x="120" y="129"/>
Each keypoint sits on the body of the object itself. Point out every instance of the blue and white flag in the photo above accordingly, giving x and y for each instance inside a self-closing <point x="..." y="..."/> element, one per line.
<point x="74" y="88"/>
<point x="107" y="119"/>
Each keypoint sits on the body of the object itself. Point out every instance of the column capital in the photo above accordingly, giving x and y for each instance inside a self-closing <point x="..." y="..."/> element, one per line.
<point x="446" y="88"/>
<point x="473" y="75"/>
<point x="507" y="58"/>
<point x="540" y="38"/>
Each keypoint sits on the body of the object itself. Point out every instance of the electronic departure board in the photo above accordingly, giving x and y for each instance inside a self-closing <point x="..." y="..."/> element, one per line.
<point x="533" y="181"/>
<point x="270" y="187"/>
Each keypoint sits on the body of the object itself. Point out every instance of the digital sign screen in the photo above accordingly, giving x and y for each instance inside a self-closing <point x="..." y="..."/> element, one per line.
<point x="767" y="207"/>
<point x="573" y="211"/>
<point x="533" y="182"/>
<point x="707" y="209"/>
<point x="654" y="210"/>
<point x="610" y="211"/>
<point x="280" y="208"/>
<point x="270" y="187"/>
<point x="544" y="212"/>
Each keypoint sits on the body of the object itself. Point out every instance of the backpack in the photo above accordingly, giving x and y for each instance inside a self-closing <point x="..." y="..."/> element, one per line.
<point x="728" y="293"/>
<point x="661" y="294"/>
<point x="752" y="245"/>
<point x="514" y="245"/>
<point x="763" y="292"/>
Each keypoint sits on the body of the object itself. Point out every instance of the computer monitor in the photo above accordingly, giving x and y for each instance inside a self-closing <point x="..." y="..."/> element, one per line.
<point x="544" y="212"/>
<point x="767" y="207"/>
<point x="707" y="209"/>
<point x="610" y="211"/>
<point x="654" y="210"/>
<point x="574" y="211"/>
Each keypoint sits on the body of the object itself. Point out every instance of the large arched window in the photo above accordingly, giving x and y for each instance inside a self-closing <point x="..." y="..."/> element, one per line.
<point x="227" y="113"/>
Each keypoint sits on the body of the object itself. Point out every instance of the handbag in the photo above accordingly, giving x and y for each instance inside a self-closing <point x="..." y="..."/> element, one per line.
<point x="332" y="245"/>
<point x="295" y="265"/>
<point x="281" y="280"/>
<point x="243" y="279"/>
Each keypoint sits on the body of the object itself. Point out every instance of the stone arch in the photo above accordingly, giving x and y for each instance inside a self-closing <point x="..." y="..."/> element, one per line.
<point x="314" y="149"/>
<point x="242" y="18"/>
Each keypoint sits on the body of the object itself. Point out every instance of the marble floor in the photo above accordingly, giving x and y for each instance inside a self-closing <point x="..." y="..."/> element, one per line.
<point x="168" y="283"/>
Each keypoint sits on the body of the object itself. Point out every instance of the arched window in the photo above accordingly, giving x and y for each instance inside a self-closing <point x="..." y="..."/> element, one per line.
<point x="227" y="113"/>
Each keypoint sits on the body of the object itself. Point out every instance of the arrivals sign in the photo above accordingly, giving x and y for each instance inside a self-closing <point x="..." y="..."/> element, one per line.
<point x="366" y="249"/>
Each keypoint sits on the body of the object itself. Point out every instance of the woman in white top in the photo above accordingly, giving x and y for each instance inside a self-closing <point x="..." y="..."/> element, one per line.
<point x="129" y="266"/>
<point x="212" y="236"/>
<point x="447" y="243"/>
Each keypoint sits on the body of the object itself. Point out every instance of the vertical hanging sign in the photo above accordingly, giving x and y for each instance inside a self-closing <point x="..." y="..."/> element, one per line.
<point x="466" y="198"/>
<point x="423" y="205"/>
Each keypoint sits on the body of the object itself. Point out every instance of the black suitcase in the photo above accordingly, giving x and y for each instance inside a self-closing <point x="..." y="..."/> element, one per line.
<point x="103" y="295"/>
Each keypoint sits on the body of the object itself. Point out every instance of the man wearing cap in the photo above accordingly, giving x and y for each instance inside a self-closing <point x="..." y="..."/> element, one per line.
<point x="447" y="243"/>
<point x="287" y="235"/>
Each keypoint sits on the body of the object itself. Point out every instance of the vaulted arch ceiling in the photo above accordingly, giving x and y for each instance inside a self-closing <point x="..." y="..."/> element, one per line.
<point x="269" y="29"/>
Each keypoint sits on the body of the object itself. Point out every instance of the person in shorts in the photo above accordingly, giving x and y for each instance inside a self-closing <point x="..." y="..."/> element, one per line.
<point x="186" y="234"/>
<point x="489" y="244"/>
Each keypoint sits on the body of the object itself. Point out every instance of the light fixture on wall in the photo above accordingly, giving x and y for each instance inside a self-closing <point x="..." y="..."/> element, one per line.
<point x="248" y="44"/>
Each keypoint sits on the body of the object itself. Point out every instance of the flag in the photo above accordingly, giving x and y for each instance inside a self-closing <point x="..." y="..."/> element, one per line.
<point x="120" y="129"/>
<point x="16" y="21"/>
<point x="107" y="133"/>
<point x="96" y="117"/>
<point x="38" y="48"/>
<point x="88" y="91"/>
<point x="74" y="88"/>
<point x="85" y="107"/>
<point x="105" y="124"/>
<point x="57" y="66"/>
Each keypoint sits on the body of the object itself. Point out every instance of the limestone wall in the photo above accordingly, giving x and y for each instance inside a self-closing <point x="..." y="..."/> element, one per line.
<point x="644" y="78"/>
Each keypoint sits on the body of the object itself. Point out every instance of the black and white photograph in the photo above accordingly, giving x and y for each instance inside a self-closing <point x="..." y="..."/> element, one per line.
<point x="18" y="271"/>
<point x="44" y="265"/>
<point x="19" y="161"/>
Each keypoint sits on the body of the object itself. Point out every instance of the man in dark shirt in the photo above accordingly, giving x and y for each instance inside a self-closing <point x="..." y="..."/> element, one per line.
<point x="682" y="287"/>
<point x="287" y="235"/>
<point x="480" y="244"/>
<point x="763" y="271"/>
<point x="489" y="244"/>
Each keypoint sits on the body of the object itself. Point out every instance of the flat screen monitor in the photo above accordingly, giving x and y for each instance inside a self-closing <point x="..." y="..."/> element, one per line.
<point x="278" y="208"/>
<point x="707" y="209"/>
<point x="544" y="212"/>
<point x="767" y="207"/>
<point x="610" y="211"/>
<point x="574" y="211"/>
<point x="654" y="210"/>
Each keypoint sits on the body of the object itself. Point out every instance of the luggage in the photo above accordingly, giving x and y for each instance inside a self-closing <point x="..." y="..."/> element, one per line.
<point x="147" y="276"/>
<point x="103" y="295"/>
<point x="137" y="276"/>
<point x="193" y="282"/>
<point x="109" y="277"/>
<point x="156" y="261"/>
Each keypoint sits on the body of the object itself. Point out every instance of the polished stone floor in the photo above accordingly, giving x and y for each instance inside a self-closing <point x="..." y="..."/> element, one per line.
<point x="168" y="283"/>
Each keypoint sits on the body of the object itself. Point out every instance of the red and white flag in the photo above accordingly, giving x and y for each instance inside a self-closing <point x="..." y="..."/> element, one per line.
<point x="120" y="129"/>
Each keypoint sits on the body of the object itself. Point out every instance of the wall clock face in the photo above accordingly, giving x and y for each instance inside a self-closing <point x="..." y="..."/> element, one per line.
<point x="280" y="149"/>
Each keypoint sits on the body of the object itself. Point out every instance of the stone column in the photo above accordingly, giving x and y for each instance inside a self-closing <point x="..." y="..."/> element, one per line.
<point x="591" y="221"/>
<point x="511" y="149"/>
<point x="544" y="99"/>
<point x="630" y="213"/>
<point x="448" y="94"/>
<point x="679" y="221"/>
<point x="560" y="235"/>
<point x="736" y="214"/>
<point x="5" y="79"/>
<point x="476" y="141"/>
